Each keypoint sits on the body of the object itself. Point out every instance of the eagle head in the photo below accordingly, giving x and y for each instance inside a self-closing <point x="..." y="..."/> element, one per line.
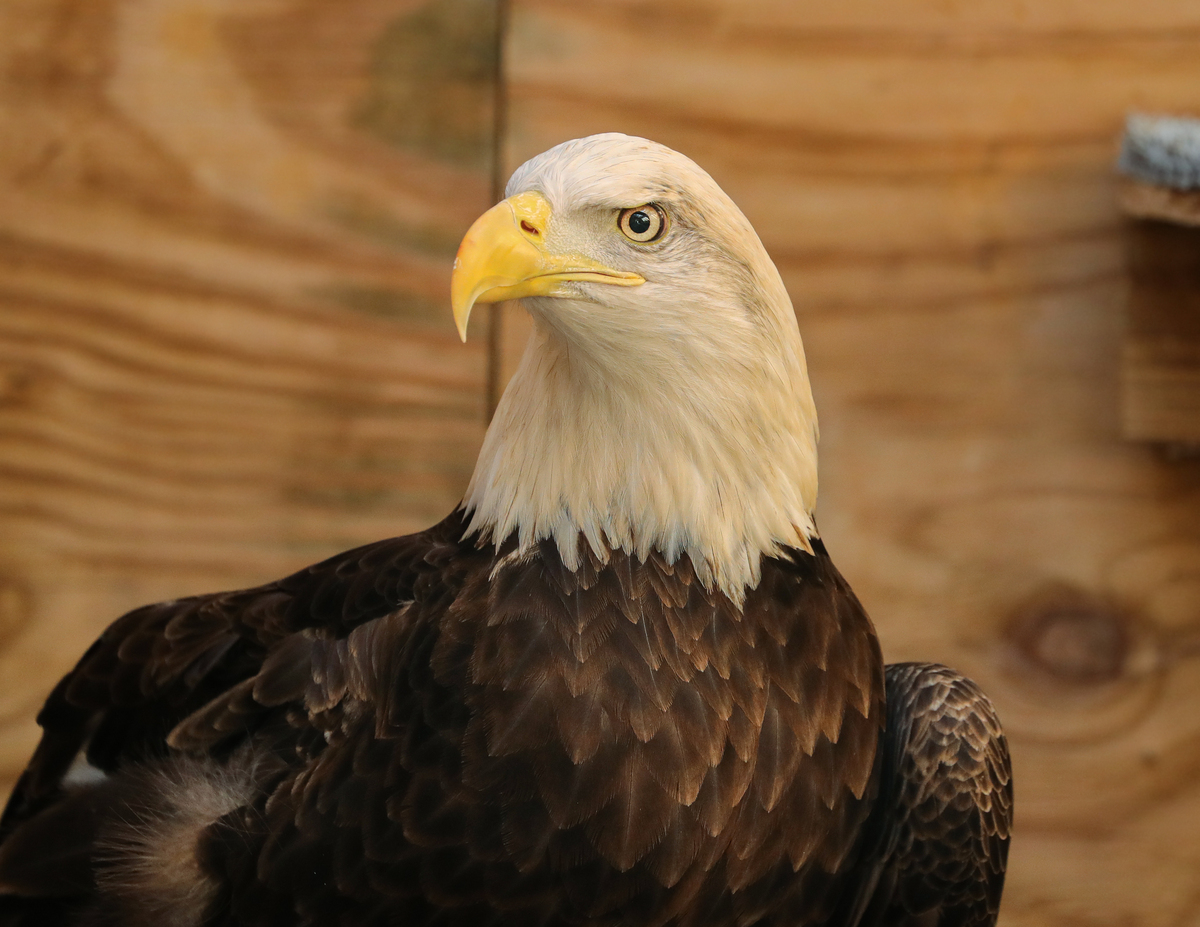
<point x="663" y="401"/>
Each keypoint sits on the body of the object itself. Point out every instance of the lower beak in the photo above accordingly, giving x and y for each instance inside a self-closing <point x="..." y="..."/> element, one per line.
<point x="504" y="256"/>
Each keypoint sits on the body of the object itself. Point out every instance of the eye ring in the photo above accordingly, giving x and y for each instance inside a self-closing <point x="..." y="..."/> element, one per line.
<point x="643" y="224"/>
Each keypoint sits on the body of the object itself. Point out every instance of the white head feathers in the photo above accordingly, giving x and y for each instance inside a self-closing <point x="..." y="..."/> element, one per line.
<point x="675" y="415"/>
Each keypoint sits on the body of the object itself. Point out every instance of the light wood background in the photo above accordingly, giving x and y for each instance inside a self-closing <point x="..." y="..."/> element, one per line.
<point x="226" y="233"/>
<point x="225" y="236"/>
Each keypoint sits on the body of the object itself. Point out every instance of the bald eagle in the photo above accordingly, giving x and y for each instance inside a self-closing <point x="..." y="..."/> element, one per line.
<point x="621" y="684"/>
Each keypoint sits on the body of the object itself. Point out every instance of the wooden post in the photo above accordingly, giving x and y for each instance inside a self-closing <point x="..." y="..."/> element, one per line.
<point x="1160" y="356"/>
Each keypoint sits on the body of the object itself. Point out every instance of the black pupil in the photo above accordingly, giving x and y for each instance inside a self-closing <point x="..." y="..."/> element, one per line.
<point x="639" y="223"/>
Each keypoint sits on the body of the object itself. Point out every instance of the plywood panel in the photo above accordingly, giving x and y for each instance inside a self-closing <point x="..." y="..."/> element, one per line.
<point x="935" y="181"/>
<point x="226" y="231"/>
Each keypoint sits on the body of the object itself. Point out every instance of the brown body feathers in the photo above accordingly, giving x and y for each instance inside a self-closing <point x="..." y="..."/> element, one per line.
<point x="410" y="734"/>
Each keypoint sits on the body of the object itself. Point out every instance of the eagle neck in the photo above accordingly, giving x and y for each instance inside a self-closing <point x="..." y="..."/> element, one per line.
<point x="636" y="459"/>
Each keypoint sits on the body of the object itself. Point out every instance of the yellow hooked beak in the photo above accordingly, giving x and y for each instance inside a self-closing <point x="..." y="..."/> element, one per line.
<point x="504" y="256"/>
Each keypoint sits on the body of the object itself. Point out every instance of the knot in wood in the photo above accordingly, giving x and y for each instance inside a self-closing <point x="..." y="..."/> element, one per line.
<point x="1074" y="636"/>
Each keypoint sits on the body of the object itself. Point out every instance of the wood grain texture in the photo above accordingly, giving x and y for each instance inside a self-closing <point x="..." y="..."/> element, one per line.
<point x="226" y="231"/>
<point x="935" y="181"/>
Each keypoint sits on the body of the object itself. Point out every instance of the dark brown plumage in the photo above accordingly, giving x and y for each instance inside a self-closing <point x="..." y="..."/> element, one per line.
<point x="416" y="741"/>
<point x="942" y="823"/>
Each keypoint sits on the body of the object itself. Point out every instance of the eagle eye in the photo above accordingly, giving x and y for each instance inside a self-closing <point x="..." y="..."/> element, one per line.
<point x="643" y="223"/>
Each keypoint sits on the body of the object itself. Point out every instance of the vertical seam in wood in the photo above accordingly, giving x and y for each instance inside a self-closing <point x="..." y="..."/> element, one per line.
<point x="499" y="128"/>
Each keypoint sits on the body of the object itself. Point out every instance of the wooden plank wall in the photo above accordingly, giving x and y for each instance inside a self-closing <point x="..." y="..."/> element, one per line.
<point x="225" y="235"/>
<point x="226" y="232"/>
<point x="935" y="181"/>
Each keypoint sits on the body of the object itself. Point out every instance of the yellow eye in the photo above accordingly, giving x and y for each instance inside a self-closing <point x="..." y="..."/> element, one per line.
<point x="643" y="223"/>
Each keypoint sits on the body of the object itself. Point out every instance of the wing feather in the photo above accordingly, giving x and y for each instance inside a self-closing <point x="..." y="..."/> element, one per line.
<point x="938" y="840"/>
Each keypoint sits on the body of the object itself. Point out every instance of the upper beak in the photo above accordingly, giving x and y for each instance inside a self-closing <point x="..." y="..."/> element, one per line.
<point x="504" y="256"/>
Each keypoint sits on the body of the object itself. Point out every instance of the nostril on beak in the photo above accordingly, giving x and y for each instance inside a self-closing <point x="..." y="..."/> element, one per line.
<point x="530" y="229"/>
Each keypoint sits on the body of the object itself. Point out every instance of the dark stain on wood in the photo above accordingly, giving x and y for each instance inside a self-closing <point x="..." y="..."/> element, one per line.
<point x="1160" y="364"/>
<point x="433" y="81"/>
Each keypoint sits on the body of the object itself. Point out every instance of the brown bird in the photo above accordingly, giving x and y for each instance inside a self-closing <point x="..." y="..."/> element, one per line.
<point x="621" y="684"/>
